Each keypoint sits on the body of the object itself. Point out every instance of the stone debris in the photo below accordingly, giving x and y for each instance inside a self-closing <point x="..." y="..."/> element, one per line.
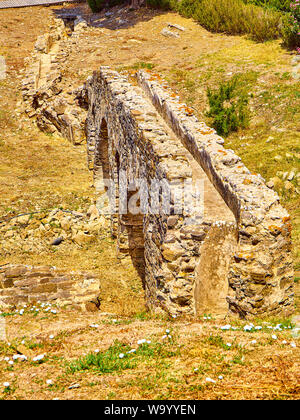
<point x="37" y="232"/>
<point x="57" y="106"/>
<point x="174" y="25"/>
<point x="171" y="34"/>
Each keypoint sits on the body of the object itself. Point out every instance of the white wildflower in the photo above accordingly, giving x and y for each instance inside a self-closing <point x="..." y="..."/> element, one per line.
<point x="226" y="327"/>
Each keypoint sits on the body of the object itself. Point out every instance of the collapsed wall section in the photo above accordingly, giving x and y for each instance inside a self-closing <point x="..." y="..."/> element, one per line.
<point x="24" y="284"/>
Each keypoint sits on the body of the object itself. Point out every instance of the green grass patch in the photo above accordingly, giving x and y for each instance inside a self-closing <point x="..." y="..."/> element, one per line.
<point x="117" y="357"/>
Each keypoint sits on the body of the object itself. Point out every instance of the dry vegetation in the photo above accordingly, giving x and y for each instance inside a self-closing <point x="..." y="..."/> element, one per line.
<point x="32" y="167"/>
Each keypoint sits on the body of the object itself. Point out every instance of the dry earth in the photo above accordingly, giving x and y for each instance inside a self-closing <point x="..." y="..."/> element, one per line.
<point x="32" y="168"/>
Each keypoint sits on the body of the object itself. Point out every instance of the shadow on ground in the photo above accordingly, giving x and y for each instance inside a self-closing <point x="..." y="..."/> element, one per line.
<point x="118" y="17"/>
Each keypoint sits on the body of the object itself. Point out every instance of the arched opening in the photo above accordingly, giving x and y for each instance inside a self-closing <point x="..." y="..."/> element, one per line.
<point x="101" y="162"/>
<point x="101" y="169"/>
<point x="130" y="223"/>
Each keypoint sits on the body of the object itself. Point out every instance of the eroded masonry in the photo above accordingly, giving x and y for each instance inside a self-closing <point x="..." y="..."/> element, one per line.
<point x="234" y="255"/>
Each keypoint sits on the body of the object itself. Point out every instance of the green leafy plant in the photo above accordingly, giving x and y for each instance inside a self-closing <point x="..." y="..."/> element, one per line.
<point x="119" y="357"/>
<point x="228" y="107"/>
<point x="291" y="27"/>
<point x="283" y="5"/>
<point x="97" y="5"/>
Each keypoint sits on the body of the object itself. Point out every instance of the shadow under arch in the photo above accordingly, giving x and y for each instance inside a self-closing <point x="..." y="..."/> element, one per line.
<point x="130" y="225"/>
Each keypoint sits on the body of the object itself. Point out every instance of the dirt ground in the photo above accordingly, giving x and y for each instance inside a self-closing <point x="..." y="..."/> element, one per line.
<point x="32" y="166"/>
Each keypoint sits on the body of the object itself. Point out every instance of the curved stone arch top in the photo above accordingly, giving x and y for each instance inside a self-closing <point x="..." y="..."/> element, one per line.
<point x="228" y="248"/>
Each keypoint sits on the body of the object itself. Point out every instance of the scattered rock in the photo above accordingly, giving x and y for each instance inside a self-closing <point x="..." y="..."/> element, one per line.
<point x="274" y="182"/>
<point x="289" y="186"/>
<point x="291" y="176"/>
<point x="82" y="238"/>
<point x="74" y="386"/>
<point x="167" y="33"/>
<point x="57" y="241"/>
<point x="174" y="25"/>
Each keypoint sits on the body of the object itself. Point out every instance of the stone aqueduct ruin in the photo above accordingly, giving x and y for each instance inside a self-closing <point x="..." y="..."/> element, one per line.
<point x="234" y="255"/>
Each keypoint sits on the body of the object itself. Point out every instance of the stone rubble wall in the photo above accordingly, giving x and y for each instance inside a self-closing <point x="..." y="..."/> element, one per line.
<point x="22" y="284"/>
<point x="57" y="107"/>
<point x="144" y="146"/>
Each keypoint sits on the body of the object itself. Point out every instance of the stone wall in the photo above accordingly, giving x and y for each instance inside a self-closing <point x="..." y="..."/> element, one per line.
<point x="236" y="255"/>
<point x="22" y="284"/>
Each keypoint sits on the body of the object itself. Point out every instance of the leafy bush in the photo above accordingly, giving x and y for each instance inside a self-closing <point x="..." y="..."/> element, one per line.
<point x="282" y="5"/>
<point x="160" y="4"/>
<point x="235" y="17"/>
<point x="97" y="5"/>
<point x="291" y="26"/>
<point x="228" y="107"/>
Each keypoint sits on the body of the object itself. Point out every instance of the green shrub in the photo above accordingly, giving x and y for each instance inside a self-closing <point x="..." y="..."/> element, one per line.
<point x="282" y="5"/>
<point x="97" y="5"/>
<point x="234" y="17"/>
<point x="291" y="27"/>
<point x="228" y="107"/>
<point x="160" y="4"/>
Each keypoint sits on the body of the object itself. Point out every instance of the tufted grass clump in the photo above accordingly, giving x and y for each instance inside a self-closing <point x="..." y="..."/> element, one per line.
<point x="283" y="5"/>
<point x="235" y="17"/>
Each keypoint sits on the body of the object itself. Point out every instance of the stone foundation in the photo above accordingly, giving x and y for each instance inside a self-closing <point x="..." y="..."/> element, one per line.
<point x="22" y="284"/>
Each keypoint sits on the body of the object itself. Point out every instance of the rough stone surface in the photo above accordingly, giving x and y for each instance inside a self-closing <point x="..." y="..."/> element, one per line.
<point x="55" y="105"/>
<point x="22" y="284"/>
